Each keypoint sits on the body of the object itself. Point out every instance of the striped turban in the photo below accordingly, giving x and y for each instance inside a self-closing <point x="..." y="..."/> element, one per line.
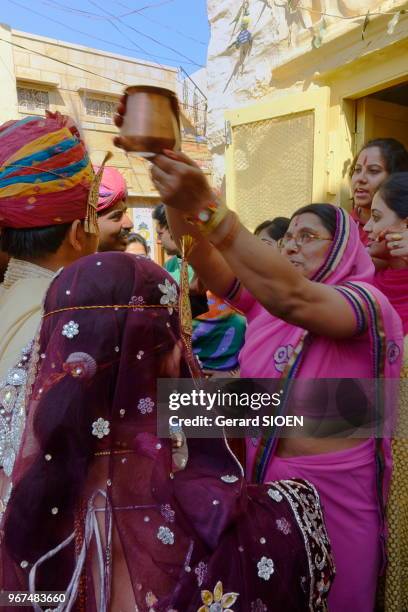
<point x="112" y="188"/>
<point x="46" y="177"/>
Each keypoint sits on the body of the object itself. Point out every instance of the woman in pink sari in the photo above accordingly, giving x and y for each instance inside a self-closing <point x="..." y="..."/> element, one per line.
<point x="311" y="314"/>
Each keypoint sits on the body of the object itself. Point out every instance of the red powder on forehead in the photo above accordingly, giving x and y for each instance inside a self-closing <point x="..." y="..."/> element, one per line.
<point x="365" y="160"/>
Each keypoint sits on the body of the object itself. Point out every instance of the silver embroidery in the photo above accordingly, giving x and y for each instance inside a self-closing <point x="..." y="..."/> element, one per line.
<point x="305" y="503"/>
<point x="145" y="405"/>
<point x="167" y="513"/>
<point x="275" y="495"/>
<point x="201" y="572"/>
<point x="70" y="330"/>
<point x="165" y="535"/>
<point x="5" y="501"/>
<point x="100" y="428"/>
<point x="170" y="296"/>
<point x="265" y="568"/>
<point x="12" y="411"/>
<point x="229" y="479"/>
<point x="283" y="525"/>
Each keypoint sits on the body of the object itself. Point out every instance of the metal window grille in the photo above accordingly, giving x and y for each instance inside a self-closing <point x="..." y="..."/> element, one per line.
<point x="32" y="99"/>
<point x="273" y="167"/>
<point x="100" y="108"/>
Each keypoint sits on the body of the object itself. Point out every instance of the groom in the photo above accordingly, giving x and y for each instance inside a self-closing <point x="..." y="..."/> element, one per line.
<point x="47" y="221"/>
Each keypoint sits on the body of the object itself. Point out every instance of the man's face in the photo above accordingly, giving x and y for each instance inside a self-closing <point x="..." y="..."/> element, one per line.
<point x="165" y="239"/>
<point x="114" y="228"/>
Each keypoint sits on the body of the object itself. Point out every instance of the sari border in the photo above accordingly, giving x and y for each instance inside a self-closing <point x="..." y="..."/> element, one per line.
<point x="299" y="495"/>
<point x="268" y="443"/>
<point x="338" y="247"/>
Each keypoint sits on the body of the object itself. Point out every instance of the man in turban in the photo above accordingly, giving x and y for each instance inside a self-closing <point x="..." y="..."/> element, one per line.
<point x="48" y="219"/>
<point x="113" y="220"/>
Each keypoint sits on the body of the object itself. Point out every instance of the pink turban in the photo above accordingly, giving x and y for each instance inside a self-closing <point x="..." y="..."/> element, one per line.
<point x="112" y="188"/>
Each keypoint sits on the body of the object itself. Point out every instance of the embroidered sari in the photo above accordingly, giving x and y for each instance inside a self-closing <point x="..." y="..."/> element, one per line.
<point x="353" y="483"/>
<point x="98" y="508"/>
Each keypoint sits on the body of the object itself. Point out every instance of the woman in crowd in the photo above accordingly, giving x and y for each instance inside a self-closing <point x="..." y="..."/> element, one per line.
<point x="372" y="165"/>
<point x="219" y="334"/>
<point x="137" y="245"/>
<point x="386" y="230"/>
<point x="272" y="231"/>
<point x="312" y="313"/>
<point x="98" y="509"/>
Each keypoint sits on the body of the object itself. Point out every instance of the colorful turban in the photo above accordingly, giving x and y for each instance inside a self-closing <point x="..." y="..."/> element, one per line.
<point x="46" y="177"/>
<point x="111" y="189"/>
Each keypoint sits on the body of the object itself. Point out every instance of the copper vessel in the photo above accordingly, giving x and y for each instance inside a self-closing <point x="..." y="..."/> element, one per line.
<point x="152" y="120"/>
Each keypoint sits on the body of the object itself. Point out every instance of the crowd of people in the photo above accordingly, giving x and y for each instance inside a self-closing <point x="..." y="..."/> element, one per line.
<point x="92" y="502"/>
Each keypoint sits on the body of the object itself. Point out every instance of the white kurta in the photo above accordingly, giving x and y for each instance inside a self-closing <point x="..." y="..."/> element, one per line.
<point x="21" y="298"/>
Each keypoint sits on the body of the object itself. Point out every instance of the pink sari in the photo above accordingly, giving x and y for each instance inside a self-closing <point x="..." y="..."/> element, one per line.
<point x="353" y="483"/>
<point x="394" y="284"/>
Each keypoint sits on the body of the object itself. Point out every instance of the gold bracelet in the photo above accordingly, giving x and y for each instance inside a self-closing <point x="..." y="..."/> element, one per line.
<point x="226" y="241"/>
<point x="209" y="218"/>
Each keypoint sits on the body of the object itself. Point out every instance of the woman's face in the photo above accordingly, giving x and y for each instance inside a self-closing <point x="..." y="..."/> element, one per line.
<point x="382" y="217"/>
<point x="369" y="173"/>
<point x="306" y="243"/>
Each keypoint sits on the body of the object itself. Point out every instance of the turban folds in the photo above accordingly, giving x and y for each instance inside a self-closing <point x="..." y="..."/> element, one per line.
<point x="112" y="188"/>
<point x="45" y="172"/>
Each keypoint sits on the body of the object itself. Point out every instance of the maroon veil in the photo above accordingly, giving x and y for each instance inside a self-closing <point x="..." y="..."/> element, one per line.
<point x="98" y="510"/>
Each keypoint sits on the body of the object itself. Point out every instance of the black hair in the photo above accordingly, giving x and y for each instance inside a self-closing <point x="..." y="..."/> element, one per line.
<point x="134" y="237"/>
<point x="393" y="152"/>
<point x="32" y="243"/>
<point x="159" y="215"/>
<point x="275" y="228"/>
<point x="326" y="213"/>
<point x="394" y="192"/>
<point x="262" y="226"/>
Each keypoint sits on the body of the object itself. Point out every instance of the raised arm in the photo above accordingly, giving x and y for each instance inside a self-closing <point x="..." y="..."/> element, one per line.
<point x="271" y="279"/>
<point x="263" y="271"/>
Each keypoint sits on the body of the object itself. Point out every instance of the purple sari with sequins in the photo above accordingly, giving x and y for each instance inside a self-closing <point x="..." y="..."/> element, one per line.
<point x="98" y="509"/>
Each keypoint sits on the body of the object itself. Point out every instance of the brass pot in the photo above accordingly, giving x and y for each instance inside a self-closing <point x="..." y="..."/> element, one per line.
<point x="152" y="120"/>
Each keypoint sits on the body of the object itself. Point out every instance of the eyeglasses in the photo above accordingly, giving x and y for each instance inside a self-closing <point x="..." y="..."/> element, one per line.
<point x="302" y="238"/>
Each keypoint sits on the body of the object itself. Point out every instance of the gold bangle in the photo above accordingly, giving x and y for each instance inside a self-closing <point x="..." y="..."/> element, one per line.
<point x="226" y="241"/>
<point x="209" y="218"/>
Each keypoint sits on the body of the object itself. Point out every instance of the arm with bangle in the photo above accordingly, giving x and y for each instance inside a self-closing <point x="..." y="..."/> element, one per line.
<point x="226" y="250"/>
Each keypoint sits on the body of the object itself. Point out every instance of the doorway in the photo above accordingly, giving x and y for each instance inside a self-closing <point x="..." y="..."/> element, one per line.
<point x="383" y="114"/>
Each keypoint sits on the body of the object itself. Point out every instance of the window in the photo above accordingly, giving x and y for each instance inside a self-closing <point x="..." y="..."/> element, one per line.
<point x="100" y="108"/>
<point x="32" y="99"/>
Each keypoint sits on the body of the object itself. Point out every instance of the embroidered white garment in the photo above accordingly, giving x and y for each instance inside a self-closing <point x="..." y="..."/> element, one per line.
<point x="21" y="297"/>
